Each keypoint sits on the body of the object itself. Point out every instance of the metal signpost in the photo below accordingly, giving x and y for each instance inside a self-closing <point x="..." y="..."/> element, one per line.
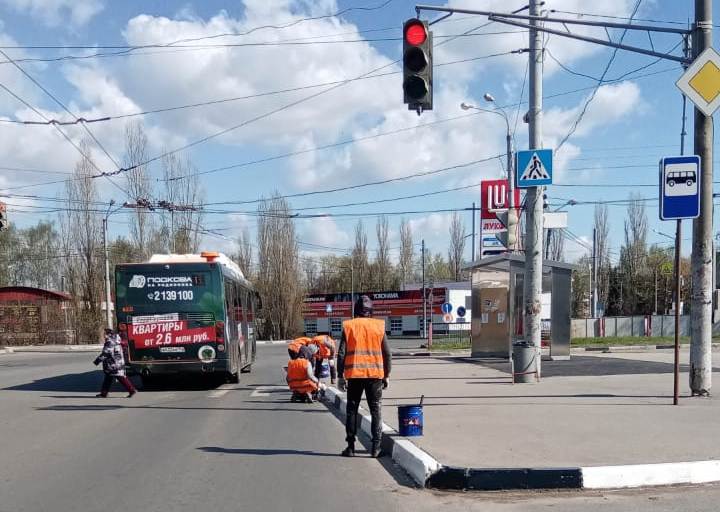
<point x="680" y="185"/>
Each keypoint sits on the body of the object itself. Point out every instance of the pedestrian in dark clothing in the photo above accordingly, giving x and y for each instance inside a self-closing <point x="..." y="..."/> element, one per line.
<point x="113" y="363"/>
<point x="364" y="363"/>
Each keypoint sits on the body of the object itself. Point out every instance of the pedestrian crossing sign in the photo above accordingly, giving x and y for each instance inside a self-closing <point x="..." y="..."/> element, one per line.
<point x="534" y="168"/>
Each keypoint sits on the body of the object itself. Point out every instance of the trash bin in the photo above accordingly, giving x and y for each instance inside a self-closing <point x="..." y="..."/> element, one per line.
<point x="524" y="357"/>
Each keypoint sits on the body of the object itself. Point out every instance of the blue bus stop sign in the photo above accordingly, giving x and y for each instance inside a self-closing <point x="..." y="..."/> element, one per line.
<point x="446" y="308"/>
<point x="680" y="178"/>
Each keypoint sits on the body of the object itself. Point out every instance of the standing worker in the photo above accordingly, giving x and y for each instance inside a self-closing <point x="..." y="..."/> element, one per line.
<point x="364" y="364"/>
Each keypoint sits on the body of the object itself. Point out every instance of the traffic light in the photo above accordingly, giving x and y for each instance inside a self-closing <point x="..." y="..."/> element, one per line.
<point x="3" y="217"/>
<point x="509" y="219"/>
<point x="545" y="199"/>
<point x="417" y="65"/>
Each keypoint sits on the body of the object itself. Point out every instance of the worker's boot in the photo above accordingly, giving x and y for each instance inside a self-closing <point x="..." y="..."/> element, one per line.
<point x="349" y="451"/>
<point x="375" y="450"/>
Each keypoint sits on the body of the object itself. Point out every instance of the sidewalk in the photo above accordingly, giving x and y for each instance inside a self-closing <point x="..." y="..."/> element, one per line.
<point x="53" y="348"/>
<point x="595" y="410"/>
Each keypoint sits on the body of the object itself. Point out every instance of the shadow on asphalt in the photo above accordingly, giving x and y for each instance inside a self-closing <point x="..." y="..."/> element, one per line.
<point x="263" y="451"/>
<point x="89" y="382"/>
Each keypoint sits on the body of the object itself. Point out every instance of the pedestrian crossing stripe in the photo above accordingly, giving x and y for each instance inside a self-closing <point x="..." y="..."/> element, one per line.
<point x="534" y="168"/>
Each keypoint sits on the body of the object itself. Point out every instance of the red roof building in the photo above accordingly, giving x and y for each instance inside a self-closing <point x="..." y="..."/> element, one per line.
<point x="33" y="316"/>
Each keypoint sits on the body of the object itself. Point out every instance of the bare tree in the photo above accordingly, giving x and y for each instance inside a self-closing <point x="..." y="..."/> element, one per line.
<point x="142" y="225"/>
<point x="557" y="245"/>
<point x="406" y="252"/>
<point x="81" y="235"/>
<point x="383" y="267"/>
<point x="633" y="254"/>
<point x="457" y="246"/>
<point x="244" y="255"/>
<point x="311" y="274"/>
<point x="278" y="276"/>
<point x="360" y="258"/>
<point x="602" y="233"/>
<point x="184" y="197"/>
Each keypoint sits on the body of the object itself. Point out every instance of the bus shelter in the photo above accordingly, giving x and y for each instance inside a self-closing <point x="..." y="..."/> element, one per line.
<point x="498" y="297"/>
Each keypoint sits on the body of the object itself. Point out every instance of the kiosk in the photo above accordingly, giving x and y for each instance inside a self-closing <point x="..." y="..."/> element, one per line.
<point x="497" y="304"/>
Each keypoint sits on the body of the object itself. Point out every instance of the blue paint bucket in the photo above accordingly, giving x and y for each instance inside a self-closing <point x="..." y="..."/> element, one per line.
<point x="410" y="420"/>
<point x="324" y="370"/>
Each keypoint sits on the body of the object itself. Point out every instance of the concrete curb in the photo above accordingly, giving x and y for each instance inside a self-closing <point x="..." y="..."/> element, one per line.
<point x="6" y="350"/>
<point x="631" y="348"/>
<point x="427" y="472"/>
<point x="272" y="342"/>
<point x="56" y="348"/>
<point x="417" y="463"/>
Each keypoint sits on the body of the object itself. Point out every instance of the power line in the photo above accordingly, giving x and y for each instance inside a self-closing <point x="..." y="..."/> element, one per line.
<point x="600" y="82"/>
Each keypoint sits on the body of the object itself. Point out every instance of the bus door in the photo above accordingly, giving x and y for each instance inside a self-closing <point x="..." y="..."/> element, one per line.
<point x="246" y="334"/>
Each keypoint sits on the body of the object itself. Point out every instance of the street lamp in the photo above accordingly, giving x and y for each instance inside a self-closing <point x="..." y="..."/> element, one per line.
<point x="508" y="145"/>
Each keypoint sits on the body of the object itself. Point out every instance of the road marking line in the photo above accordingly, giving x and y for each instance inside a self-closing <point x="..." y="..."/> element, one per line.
<point x="221" y="391"/>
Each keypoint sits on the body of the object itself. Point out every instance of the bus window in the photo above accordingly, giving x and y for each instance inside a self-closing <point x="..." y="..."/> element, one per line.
<point x="230" y="301"/>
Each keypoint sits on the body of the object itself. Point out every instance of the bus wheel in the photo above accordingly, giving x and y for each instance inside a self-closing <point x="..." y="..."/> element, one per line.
<point x="148" y="381"/>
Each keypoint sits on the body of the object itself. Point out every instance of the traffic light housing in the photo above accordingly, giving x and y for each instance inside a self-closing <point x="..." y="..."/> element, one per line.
<point x="417" y="65"/>
<point x="509" y="219"/>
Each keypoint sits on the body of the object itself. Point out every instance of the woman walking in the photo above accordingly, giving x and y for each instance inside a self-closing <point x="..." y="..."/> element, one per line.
<point x="113" y="363"/>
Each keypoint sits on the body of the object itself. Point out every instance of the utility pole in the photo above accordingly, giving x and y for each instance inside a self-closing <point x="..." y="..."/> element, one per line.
<point x="701" y="299"/>
<point x="594" y="276"/>
<point x="424" y="302"/>
<point x="108" y="313"/>
<point x="472" y="251"/>
<point x="511" y="180"/>
<point x="533" y="199"/>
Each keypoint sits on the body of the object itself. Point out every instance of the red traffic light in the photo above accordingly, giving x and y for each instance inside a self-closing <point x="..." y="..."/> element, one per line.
<point x="415" y="33"/>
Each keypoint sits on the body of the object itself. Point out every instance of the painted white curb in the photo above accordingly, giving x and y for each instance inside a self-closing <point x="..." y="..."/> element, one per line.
<point x="417" y="463"/>
<point x="272" y="342"/>
<point x="645" y="475"/>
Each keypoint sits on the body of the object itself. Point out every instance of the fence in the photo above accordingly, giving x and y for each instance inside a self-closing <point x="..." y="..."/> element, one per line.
<point x="455" y="335"/>
<point x="645" y="325"/>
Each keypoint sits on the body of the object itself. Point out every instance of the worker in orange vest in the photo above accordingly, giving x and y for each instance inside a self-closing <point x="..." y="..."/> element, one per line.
<point x="364" y="364"/>
<point x="295" y="346"/>
<point x="301" y="379"/>
<point x="326" y="350"/>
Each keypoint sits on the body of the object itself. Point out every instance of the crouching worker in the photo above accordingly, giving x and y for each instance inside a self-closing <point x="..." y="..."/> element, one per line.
<point x="295" y="347"/>
<point x="302" y="381"/>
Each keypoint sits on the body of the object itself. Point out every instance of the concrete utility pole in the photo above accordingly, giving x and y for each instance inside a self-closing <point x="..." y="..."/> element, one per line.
<point x="108" y="313"/>
<point x="701" y="301"/>
<point x="533" y="199"/>
<point x="594" y="276"/>
<point x="472" y="251"/>
<point x="424" y="302"/>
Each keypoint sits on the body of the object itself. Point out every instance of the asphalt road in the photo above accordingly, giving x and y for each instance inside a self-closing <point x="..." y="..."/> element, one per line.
<point x="191" y="446"/>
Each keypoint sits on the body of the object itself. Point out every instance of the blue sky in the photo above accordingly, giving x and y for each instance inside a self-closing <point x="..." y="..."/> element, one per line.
<point x="627" y="128"/>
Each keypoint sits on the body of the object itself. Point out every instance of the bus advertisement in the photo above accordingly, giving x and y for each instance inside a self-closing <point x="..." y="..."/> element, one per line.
<point x="186" y="314"/>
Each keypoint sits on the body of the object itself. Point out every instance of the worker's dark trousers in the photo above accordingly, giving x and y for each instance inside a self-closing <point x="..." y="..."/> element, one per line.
<point x="107" y="382"/>
<point x="373" y="395"/>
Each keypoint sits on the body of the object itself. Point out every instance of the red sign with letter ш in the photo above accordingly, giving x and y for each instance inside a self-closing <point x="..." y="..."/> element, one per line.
<point x="171" y="333"/>
<point x="494" y="195"/>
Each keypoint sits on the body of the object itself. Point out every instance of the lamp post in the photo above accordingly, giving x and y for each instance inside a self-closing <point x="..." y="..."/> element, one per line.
<point x="508" y="146"/>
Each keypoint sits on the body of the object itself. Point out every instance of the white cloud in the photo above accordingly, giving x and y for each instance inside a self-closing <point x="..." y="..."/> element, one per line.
<point x="57" y="12"/>
<point x="324" y="232"/>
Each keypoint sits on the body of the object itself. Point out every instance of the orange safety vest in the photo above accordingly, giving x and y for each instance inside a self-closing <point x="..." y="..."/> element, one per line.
<point x="295" y="344"/>
<point x="297" y="376"/>
<point x="363" y="354"/>
<point x="324" y="352"/>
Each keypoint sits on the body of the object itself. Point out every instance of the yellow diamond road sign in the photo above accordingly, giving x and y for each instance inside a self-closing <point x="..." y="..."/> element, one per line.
<point x="701" y="82"/>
